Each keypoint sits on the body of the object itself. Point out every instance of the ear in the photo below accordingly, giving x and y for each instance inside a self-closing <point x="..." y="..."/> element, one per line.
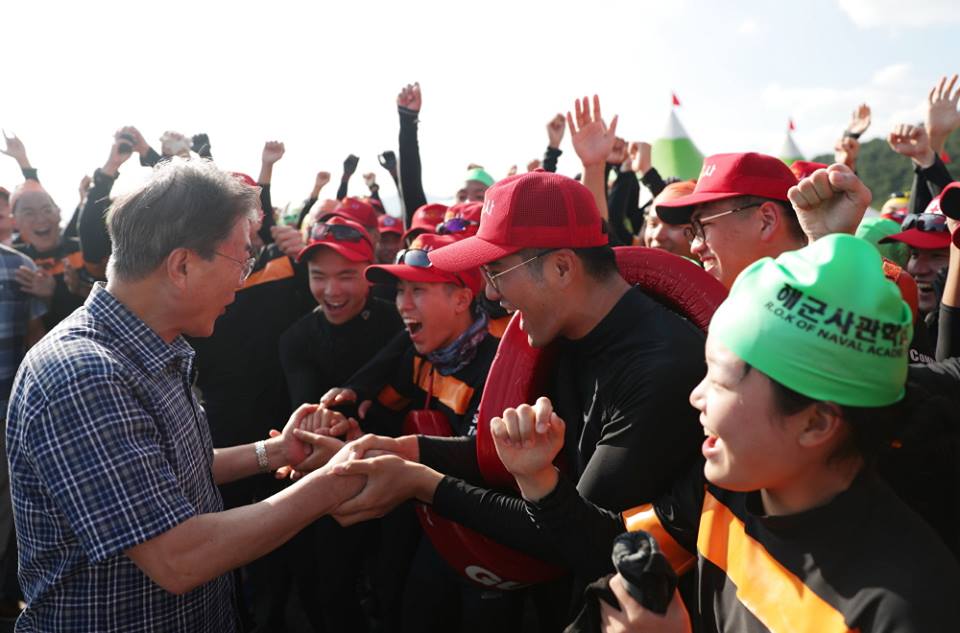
<point x="822" y="426"/>
<point x="562" y="265"/>
<point x="177" y="266"/>
<point x="770" y="220"/>
<point x="462" y="298"/>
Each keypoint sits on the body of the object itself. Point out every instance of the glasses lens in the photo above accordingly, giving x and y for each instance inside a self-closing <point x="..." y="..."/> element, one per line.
<point x="929" y="222"/>
<point x="414" y="257"/>
<point x="453" y="225"/>
<point x="336" y="232"/>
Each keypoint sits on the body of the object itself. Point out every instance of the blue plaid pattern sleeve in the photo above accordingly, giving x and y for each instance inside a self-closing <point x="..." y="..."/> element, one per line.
<point x="17" y="308"/>
<point x="108" y="448"/>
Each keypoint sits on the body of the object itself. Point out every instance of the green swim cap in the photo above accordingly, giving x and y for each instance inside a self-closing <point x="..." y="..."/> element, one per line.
<point x="823" y="321"/>
<point x="875" y="229"/>
<point x="479" y="174"/>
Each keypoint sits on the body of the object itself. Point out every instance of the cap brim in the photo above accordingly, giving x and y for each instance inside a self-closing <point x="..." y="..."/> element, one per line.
<point x="390" y="273"/>
<point x="679" y="210"/>
<point x="469" y="253"/>
<point x="921" y="239"/>
<point x="336" y="247"/>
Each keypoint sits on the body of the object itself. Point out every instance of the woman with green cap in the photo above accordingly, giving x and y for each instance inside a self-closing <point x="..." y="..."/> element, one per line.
<point x="786" y="526"/>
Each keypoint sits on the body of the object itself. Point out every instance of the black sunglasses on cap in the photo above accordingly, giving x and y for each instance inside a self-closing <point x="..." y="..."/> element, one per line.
<point x="928" y="222"/>
<point x="336" y="232"/>
<point x="417" y="257"/>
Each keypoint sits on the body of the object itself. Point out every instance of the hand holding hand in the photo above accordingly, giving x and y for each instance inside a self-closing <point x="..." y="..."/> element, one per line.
<point x="633" y="618"/>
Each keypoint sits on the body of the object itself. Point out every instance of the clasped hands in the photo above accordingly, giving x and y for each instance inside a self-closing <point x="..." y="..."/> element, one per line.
<point x="527" y="439"/>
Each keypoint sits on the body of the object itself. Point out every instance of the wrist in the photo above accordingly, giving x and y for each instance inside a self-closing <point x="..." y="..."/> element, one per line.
<point x="926" y="159"/>
<point x="275" y="454"/>
<point x="110" y="169"/>
<point x="538" y="485"/>
<point x="427" y="481"/>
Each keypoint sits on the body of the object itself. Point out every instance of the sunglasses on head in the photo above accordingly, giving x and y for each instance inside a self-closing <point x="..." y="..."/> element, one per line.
<point x="929" y="222"/>
<point x="417" y="257"/>
<point x="454" y="225"/>
<point x="335" y="232"/>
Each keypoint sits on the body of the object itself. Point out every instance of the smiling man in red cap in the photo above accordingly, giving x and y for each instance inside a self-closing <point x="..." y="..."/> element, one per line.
<point x="738" y="213"/>
<point x="626" y="366"/>
<point x="928" y="237"/>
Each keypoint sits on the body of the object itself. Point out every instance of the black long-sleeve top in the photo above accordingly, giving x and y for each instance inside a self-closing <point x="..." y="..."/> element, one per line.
<point x="622" y="202"/>
<point x="927" y="183"/>
<point x="622" y="391"/>
<point x="408" y="163"/>
<point x="550" y="156"/>
<point x="92" y="223"/>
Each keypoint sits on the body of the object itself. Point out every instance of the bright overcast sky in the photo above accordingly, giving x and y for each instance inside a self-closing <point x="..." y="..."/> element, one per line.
<point x="323" y="77"/>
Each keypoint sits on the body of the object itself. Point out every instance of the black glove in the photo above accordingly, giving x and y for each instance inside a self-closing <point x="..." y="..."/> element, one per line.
<point x="388" y="160"/>
<point x="350" y="165"/>
<point x="201" y="145"/>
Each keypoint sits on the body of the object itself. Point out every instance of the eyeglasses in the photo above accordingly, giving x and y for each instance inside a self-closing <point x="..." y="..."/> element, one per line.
<point x="33" y="214"/>
<point x="492" y="278"/>
<point x="928" y="222"/>
<point x="418" y="258"/>
<point x="246" y="266"/>
<point x="455" y="225"/>
<point x="696" y="228"/>
<point x="336" y="232"/>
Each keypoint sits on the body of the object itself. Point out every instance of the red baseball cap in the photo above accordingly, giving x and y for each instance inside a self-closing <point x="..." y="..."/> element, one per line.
<point x="415" y="266"/>
<point x="350" y="240"/>
<point x="926" y="233"/>
<point x="728" y="176"/>
<point x="244" y="178"/>
<point x="538" y="209"/>
<point x="948" y="202"/>
<point x="469" y="211"/>
<point x="389" y="224"/>
<point x="425" y="220"/>
<point x="804" y="168"/>
<point x="357" y="210"/>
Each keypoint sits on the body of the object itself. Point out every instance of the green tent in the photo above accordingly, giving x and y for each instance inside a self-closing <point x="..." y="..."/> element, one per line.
<point x="674" y="154"/>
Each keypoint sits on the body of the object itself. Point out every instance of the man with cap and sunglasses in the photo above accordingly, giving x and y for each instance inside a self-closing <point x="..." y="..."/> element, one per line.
<point x="625" y="367"/>
<point x="318" y="352"/>
<point x="440" y="362"/>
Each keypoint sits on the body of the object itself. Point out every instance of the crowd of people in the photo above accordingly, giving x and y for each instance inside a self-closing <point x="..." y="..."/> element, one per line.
<point x="223" y="416"/>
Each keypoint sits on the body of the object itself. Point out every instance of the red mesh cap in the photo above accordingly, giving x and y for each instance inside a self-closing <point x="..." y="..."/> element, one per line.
<point x="804" y="168"/>
<point x="728" y="176"/>
<point x="357" y="210"/>
<point x="427" y="242"/>
<point x="539" y="209"/>
<point x="346" y="244"/>
<point x="390" y="224"/>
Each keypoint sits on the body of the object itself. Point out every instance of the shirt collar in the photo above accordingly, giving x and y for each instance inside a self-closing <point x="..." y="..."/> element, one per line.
<point x="140" y="343"/>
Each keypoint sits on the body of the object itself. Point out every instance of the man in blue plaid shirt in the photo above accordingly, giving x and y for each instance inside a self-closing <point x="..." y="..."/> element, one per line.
<point x="113" y="473"/>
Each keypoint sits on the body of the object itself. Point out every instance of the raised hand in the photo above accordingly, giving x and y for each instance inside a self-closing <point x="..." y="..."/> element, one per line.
<point x="592" y="139"/>
<point x="913" y="142"/>
<point x="84" y="187"/>
<point x="555" y="129"/>
<point x="120" y="152"/>
<point x="533" y="165"/>
<point x="527" y="440"/>
<point x="859" y="120"/>
<point x="618" y="155"/>
<point x="201" y="144"/>
<point x="323" y="177"/>
<point x="410" y="97"/>
<point x="288" y="239"/>
<point x="846" y="151"/>
<point x="370" y="179"/>
<point x="388" y="160"/>
<point x="14" y="148"/>
<point x="831" y="200"/>
<point x="641" y="155"/>
<point x="512" y="171"/>
<point x="272" y="152"/>
<point x="350" y="165"/>
<point x="942" y="115"/>
<point x="136" y="139"/>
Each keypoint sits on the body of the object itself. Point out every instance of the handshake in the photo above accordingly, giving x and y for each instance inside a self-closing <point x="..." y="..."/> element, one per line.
<point x="382" y="472"/>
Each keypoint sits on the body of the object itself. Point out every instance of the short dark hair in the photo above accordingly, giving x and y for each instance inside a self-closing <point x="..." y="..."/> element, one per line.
<point x="599" y="262"/>
<point x="186" y="204"/>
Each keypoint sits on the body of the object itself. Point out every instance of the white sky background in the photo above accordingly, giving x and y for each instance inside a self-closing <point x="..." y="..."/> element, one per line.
<point x="323" y="78"/>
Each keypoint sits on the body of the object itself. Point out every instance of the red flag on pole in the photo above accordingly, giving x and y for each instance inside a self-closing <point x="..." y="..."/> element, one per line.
<point x="676" y="101"/>
<point x="790" y="126"/>
<point x="944" y="156"/>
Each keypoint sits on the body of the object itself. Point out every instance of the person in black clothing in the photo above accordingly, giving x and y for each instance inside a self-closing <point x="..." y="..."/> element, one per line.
<point x="625" y="367"/>
<point x="318" y="352"/>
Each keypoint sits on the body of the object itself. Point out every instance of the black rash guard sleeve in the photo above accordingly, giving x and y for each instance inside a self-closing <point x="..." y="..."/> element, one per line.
<point x="411" y="180"/>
